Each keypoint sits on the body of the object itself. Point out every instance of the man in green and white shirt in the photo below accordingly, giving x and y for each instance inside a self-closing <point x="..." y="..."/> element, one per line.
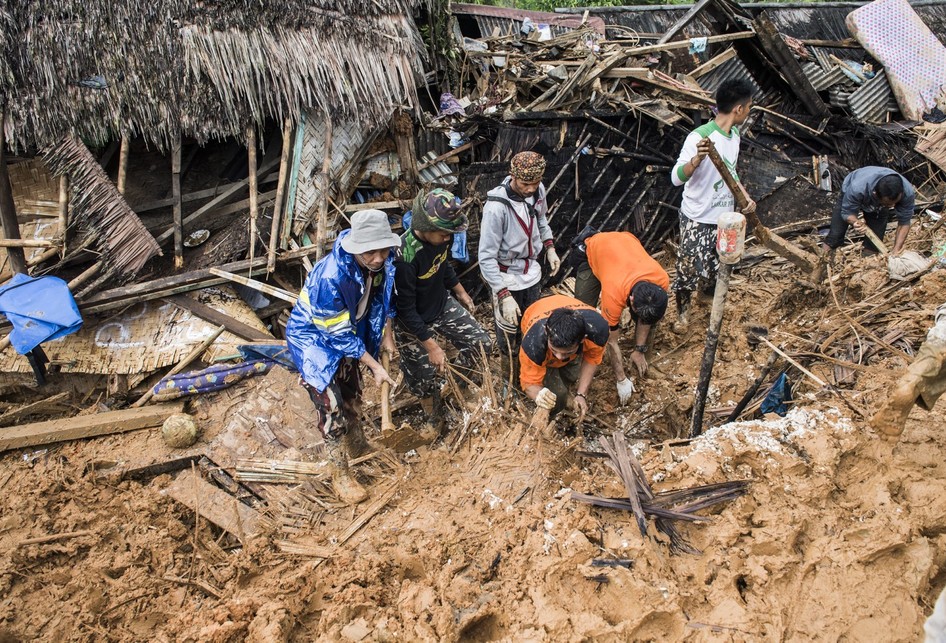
<point x="705" y="195"/>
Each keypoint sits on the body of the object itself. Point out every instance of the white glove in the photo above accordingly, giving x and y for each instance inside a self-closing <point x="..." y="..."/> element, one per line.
<point x="625" y="390"/>
<point x="546" y="399"/>
<point x="510" y="310"/>
<point x="554" y="262"/>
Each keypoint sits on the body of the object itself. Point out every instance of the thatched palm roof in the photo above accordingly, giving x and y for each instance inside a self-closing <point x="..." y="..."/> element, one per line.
<point x="159" y="68"/>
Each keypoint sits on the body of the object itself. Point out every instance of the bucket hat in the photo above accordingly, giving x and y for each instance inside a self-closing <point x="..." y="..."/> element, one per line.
<point x="370" y="230"/>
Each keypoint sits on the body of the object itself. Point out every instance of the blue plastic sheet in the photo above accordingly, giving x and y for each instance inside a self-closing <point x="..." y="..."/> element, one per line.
<point x="778" y="396"/>
<point x="40" y="309"/>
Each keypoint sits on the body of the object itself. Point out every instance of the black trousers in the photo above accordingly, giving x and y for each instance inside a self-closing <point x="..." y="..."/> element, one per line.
<point x="876" y="221"/>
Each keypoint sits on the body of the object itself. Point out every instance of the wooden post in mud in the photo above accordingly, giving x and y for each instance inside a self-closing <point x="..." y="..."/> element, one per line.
<point x="709" y="351"/>
<point x="730" y="236"/>
<point x="177" y="205"/>
<point x="254" y="191"/>
<point x="11" y="229"/>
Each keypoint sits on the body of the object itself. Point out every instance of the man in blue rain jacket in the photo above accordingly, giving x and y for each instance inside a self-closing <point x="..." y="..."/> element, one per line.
<point x="343" y="319"/>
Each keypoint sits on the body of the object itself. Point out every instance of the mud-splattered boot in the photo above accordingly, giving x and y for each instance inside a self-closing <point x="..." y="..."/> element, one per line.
<point x="682" y="322"/>
<point x="348" y="489"/>
<point x="355" y="441"/>
<point x="434" y="425"/>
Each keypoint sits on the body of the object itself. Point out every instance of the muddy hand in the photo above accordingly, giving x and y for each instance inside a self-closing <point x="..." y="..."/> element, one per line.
<point x="381" y="375"/>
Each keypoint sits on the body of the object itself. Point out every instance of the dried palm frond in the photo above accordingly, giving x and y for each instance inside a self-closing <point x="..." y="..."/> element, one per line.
<point x="120" y="238"/>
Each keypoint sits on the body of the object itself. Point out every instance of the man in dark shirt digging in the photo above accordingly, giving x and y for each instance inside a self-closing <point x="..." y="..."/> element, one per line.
<point x="424" y="279"/>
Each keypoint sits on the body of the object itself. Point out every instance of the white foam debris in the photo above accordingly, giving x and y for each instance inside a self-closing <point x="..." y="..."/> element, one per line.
<point x="491" y="498"/>
<point x="769" y="436"/>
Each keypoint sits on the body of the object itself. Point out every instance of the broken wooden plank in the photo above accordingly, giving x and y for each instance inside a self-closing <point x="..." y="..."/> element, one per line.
<point x="369" y="513"/>
<point x="683" y="21"/>
<point x="207" y="313"/>
<point x="32" y="408"/>
<point x="378" y="205"/>
<point x="215" y="505"/>
<point x="685" y="44"/>
<point x="713" y="63"/>
<point x="86" y="426"/>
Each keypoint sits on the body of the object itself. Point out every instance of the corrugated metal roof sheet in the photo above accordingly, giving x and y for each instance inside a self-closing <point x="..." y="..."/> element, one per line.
<point x="872" y="100"/>
<point x="505" y="21"/>
<point x="822" y="80"/>
<point x="734" y="68"/>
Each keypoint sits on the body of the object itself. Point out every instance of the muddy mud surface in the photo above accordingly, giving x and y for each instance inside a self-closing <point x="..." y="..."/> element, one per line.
<point x="840" y="537"/>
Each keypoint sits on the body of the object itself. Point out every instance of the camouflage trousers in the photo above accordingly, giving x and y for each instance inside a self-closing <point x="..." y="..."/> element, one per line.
<point x="338" y="407"/>
<point x="697" y="261"/>
<point x="456" y="325"/>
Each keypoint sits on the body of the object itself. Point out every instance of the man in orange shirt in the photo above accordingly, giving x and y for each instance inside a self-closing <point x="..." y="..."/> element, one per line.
<point x="563" y="342"/>
<point x="616" y="267"/>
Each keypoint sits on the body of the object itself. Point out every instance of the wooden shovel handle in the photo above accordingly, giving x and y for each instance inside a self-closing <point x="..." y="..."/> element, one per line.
<point x="386" y="423"/>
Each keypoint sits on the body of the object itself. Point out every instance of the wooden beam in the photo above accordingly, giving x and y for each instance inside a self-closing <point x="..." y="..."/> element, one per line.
<point x="86" y="426"/>
<point x="280" y="190"/>
<point x="378" y="205"/>
<point x="35" y="407"/>
<point x="215" y="505"/>
<point x="684" y="20"/>
<point x="266" y="289"/>
<point x="207" y="313"/>
<point x="176" y="284"/>
<point x="785" y="64"/>
<point x="713" y="63"/>
<point x="254" y="188"/>
<point x="11" y="229"/>
<point x="685" y="44"/>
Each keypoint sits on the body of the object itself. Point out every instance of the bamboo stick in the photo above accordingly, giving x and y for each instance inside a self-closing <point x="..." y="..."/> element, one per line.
<point x="280" y="189"/>
<point x="279" y="293"/>
<point x="184" y="363"/>
<point x="122" y="165"/>
<point x="254" y="188"/>
<point x="63" y="214"/>
<point x="177" y="204"/>
<point x="27" y="243"/>
<point x="321" y="229"/>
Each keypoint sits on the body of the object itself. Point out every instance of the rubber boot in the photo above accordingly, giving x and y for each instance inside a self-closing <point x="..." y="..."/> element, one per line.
<point x="348" y="489"/>
<point x="682" y="322"/>
<point x="355" y="441"/>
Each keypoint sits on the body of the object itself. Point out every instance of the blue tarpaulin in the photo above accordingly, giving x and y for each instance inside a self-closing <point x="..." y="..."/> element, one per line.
<point x="40" y="309"/>
<point x="778" y="396"/>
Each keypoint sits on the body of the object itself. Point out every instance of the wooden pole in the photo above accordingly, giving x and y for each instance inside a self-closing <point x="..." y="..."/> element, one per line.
<point x="178" y="205"/>
<point x="27" y="243"/>
<point x="194" y="354"/>
<point x="64" y="211"/>
<point x="279" y="293"/>
<point x="11" y="229"/>
<point x="254" y="194"/>
<point x="321" y="229"/>
<point x="122" y="165"/>
<point x="709" y="351"/>
<point x="280" y="188"/>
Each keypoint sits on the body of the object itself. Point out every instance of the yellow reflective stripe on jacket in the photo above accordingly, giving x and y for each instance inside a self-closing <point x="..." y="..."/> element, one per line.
<point x="341" y="319"/>
<point x="304" y="295"/>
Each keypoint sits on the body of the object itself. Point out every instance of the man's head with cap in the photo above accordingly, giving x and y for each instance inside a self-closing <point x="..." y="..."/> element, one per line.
<point x="437" y="215"/>
<point x="370" y="239"/>
<point x="526" y="170"/>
